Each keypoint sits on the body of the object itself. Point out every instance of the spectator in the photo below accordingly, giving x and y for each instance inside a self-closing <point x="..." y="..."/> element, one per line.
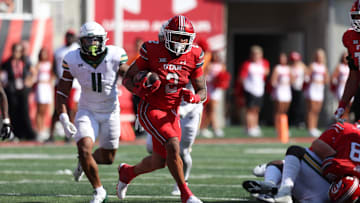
<point x="215" y="87"/>
<point x="316" y="78"/>
<point x="70" y="44"/>
<point x="17" y="87"/>
<point x="338" y="80"/>
<point x="251" y="77"/>
<point x="297" y="70"/>
<point x="281" y="92"/>
<point x="43" y="92"/>
<point x="7" y="6"/>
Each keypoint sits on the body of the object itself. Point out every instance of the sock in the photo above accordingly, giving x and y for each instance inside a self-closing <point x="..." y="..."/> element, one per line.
<point x="100" y="190"/>
<point x="290" y="171"/>
<point x="185" y="192"/>
<point x="127" y="173"/>
<point x="272" y="175"/>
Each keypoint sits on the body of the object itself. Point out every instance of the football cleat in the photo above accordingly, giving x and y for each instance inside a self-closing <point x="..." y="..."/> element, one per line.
<point x="259" y="170"/>
<point x="121" y="187"/>
<point x="260" y="187"/>
<point x="264" y="197"/>
<point x="78" y="172"/>
<point x="193" y="199"/>
<point x="99" y="197"/>
<point x="284" y="195"/>
<point x="176" y="190"/>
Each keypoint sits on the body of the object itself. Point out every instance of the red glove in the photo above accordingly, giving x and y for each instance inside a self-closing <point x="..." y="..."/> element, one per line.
<point x="340" y="110"/>
<point x="335" y="168"/>
<point x="143" y="91"/>
<point x="189" y="96"/>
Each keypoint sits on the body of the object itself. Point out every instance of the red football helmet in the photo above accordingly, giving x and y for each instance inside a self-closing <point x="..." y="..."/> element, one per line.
<point x="355" y="16"/>
<point x="179" y="35"/>
<point x="345" y="190"/>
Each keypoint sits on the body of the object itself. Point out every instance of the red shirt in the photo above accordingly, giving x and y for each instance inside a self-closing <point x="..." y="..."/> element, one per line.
<point x="174" y="72"/>
<point x="351" y="40"/>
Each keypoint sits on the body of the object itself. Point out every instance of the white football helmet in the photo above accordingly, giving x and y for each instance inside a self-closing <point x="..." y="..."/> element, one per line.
<point x="92" y="38"/>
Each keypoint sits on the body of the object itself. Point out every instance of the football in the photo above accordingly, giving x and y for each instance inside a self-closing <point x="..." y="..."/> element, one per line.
<point x="152" y="77"/>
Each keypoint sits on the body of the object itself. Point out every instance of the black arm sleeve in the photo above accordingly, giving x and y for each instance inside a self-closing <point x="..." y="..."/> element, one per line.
<point x="351" y="63"/>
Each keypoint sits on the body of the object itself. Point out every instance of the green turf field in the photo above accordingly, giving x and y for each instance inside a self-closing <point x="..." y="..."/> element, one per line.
<point x="43" y="174"/>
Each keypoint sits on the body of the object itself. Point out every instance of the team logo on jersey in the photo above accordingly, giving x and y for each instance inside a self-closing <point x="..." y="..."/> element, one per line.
<point x="183" y="62"/>
<point x="162" y="60"/>
<point x="172" y="67"/>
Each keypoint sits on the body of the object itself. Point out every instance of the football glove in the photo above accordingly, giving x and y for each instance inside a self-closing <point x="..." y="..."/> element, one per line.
<point x="340" y="110"/>
<point x="5" y="129"/>
<point x="189" y="96"/>
<point x="69" y="128"/>
<point x="143" y="91"/>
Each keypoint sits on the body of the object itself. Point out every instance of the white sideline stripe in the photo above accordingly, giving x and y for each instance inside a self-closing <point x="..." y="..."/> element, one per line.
<point x="265" y="151"/>
<point x="32" y="181"/>
<point x="37" y="156"/>
<point x="130" y="196"/>
<point x="153" y="176"/>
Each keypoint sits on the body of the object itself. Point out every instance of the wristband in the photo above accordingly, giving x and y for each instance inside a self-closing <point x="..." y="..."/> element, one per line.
<point x="64" y="117"/>
<point x="6" y="121"/>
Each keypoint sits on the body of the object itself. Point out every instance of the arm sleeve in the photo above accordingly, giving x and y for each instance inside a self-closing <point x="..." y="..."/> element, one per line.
<point x="244" y="71"/>
<point x="123" y="56"/>
<point x="199" y="62"/>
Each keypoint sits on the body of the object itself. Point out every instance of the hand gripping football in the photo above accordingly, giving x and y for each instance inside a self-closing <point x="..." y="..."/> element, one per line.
<point x="152" y="77"/>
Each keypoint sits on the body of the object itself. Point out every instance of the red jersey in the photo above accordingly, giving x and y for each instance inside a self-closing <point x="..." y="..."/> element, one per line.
<point x="345" y="140"/>
<point x="174" y="72"/>
<point x="351" y="40"/>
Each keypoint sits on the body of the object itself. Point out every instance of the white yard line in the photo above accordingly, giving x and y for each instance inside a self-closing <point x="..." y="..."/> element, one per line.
<point x="37" y="181"/>
<point x="265" y="151"/>
<point x="153" y="176"/>
<point x="128" y="196"/>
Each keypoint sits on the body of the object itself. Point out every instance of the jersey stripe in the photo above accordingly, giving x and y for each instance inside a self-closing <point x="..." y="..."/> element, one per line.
<point x="65" y="65"/>
<point x="123" y="58"/>
<point x="200" y="64"/>
<point x="309" y="160"/>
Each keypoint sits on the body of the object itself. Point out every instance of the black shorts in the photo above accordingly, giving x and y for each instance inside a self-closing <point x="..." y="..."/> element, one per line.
<point x="252" y="100"/>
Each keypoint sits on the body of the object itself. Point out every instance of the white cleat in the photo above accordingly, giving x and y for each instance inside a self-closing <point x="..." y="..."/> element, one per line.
<point x="78" y="172"/>
<point x="176" y="190"/>
<point x="99" y="197"/>
<point x="284" y="195"/>
<point x="193" y="199"/>
<point x="121" y="187"/>
<point x="264" y="197"/>
<point x="259" y="170"/>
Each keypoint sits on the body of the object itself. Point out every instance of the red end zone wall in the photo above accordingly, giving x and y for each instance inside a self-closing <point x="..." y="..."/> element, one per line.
<point x="143" y="19"/>
<point x="38" y="34"/>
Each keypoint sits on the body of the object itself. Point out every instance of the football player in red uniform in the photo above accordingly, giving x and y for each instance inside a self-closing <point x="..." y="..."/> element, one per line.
<point x="351" y="40"/>
<point x="176" y="60"/>
<point x="334" y="157"/>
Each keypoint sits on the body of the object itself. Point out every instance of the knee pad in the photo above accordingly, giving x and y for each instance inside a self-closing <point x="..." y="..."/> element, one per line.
<point x="296" y="151"/>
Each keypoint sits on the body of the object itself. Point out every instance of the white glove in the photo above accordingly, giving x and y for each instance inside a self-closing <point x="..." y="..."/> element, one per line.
<point x="339" y="113"/>
<point x="69" y="128"/>
<point x="137" y="125"/>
